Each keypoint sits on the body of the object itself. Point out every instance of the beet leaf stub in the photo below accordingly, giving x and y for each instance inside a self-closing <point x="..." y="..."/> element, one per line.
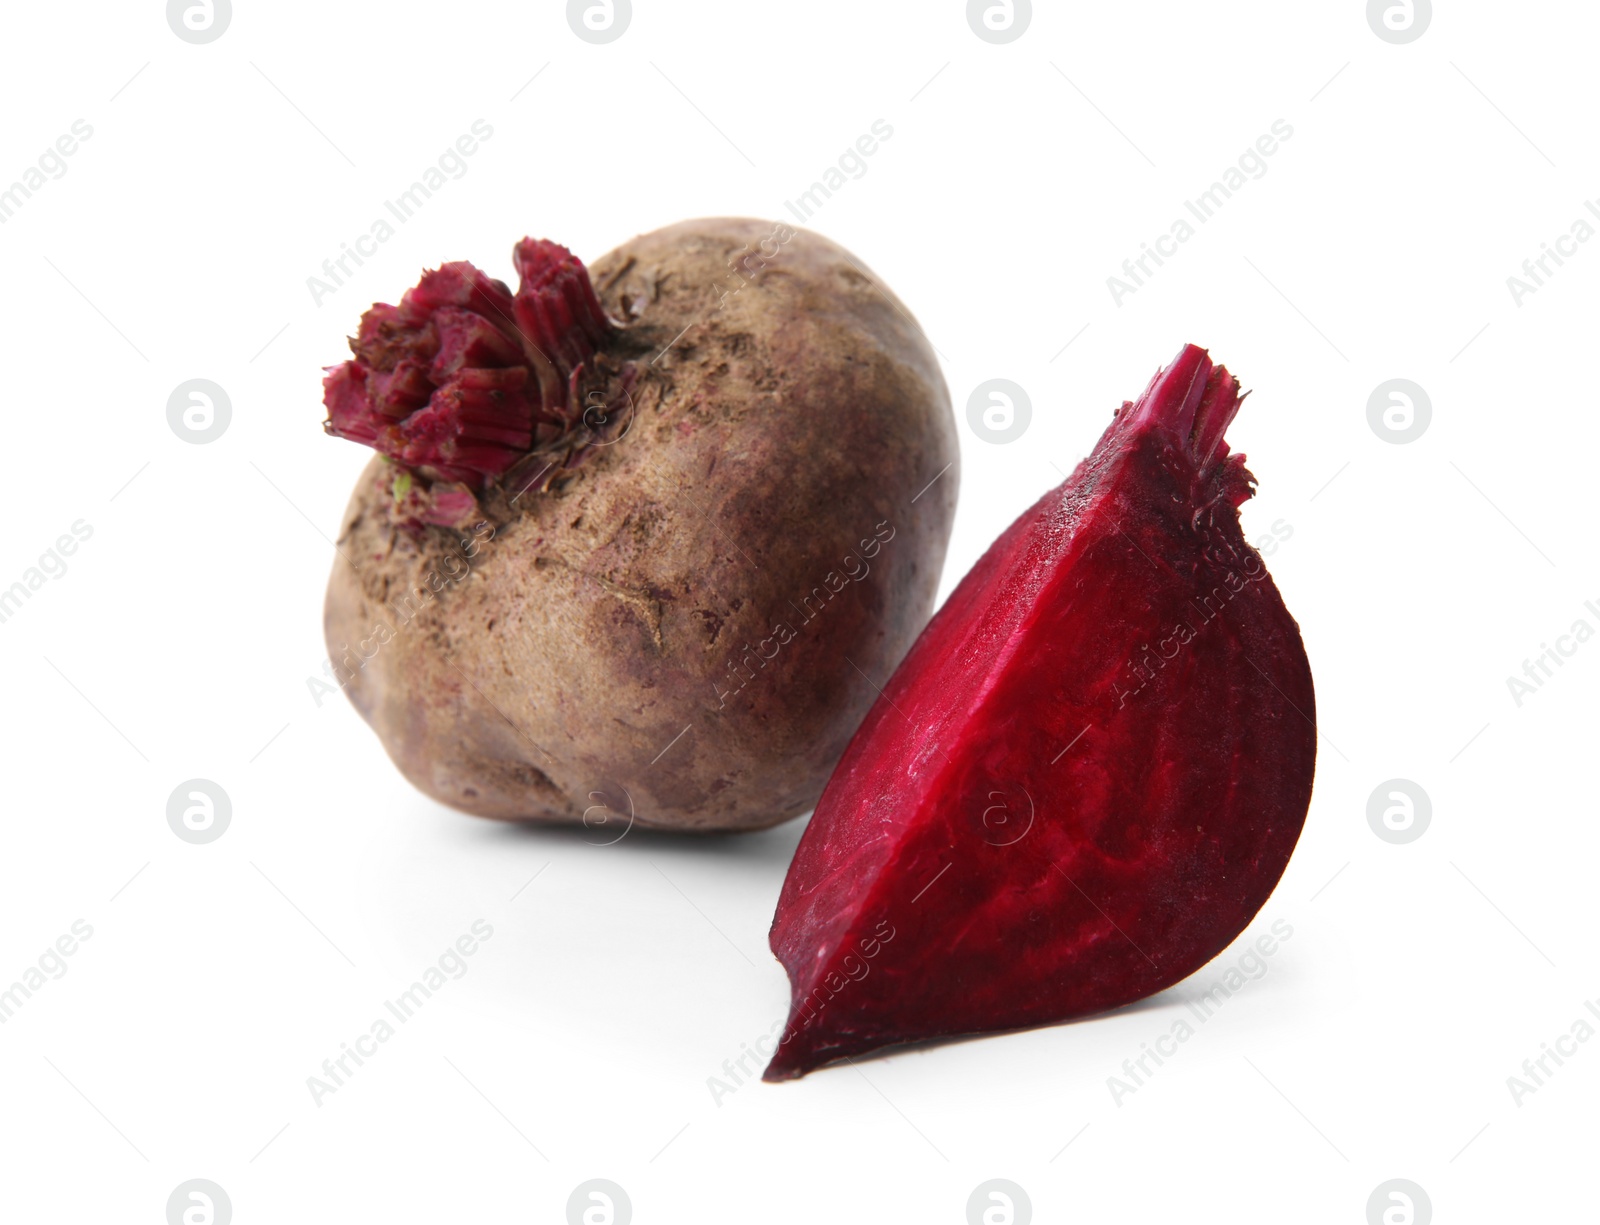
<point x="464" y="378"/>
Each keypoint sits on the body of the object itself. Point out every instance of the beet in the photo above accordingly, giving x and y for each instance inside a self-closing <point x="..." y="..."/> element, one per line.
<point x="1086" y="777"/>
<point x="627" y="523"/>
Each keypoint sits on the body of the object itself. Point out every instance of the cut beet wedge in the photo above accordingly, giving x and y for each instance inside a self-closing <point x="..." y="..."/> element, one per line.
<point x="1087" y="776"/>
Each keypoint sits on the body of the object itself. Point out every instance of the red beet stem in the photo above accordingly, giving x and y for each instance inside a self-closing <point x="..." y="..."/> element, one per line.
<point x="458" y="379"/>
<point x="1193" y="399"/>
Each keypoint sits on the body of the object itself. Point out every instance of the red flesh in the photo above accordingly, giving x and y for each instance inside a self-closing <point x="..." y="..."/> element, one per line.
<point x="1088" y="774"/>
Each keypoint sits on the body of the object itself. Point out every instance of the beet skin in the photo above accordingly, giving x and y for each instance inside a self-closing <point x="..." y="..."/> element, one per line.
<point x="634" y="526"/>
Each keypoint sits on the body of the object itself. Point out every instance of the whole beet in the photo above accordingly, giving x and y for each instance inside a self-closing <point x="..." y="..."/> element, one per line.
<point x="681" y="621"/>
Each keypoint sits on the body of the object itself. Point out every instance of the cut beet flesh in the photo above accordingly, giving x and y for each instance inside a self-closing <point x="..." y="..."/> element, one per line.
<point x="1088" y="774"/>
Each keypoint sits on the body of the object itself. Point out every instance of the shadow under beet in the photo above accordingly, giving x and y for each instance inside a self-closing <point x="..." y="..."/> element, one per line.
<point x="767" y="849"/>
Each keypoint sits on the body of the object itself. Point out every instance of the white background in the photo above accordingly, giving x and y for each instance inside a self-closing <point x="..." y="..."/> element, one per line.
<point x="179" y="641"/>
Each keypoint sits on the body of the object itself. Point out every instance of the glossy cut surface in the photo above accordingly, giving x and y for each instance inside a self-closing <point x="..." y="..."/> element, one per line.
<point x="1088" y="774"/>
